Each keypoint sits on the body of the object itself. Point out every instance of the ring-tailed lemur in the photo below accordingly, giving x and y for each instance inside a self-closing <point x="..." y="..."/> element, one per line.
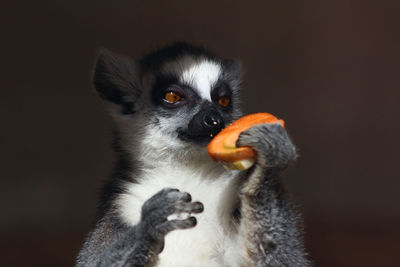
<point x="166" y="107"/>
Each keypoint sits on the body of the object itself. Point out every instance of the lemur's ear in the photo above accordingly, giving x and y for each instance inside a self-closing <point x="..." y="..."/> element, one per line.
<point x="116" y="80"/>
<point x="232" y="71"/>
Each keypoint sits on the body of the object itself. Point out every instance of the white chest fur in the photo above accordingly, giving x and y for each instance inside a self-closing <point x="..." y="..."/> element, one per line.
<point x="207" y="242"/>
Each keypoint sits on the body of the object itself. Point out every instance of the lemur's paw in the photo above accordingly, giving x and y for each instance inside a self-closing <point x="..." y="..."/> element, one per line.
<point x="167" y="202"/>
<point x="272" y="143"/>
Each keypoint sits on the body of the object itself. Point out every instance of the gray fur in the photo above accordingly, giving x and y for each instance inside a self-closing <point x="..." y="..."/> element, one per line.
<point x="259" y="212"/>
<point x="272" y="223"/>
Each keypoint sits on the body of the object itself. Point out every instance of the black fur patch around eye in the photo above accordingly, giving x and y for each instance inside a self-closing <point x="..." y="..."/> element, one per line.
<point x="161" y="84"/>
<point x="164" y="83"/>
<point x="222" y="89"/>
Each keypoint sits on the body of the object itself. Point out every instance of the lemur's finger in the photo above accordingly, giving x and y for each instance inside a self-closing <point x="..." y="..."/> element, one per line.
<point x="168" y="226"/>
<point x="167" y="202"/>
<point x="173" y="195"/>
<point x="186" y="197"/>
<point x="193" y="207"/>
<point x="272" y="143"/>
<point x="165" y="197"/>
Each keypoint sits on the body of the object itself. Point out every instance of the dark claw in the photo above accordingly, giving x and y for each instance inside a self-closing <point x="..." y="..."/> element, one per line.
<point x="192" y="220"/>
<point x="187" y="197"/>
<point x="198" y="207"/>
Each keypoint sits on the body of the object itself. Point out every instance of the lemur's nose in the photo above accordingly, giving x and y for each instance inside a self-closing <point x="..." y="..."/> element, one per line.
<point x="213" y="122"/>
<point x="206" y="123"/>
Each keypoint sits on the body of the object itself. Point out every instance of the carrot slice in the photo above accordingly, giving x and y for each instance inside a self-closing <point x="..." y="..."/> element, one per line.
<point x="223" y="146"/>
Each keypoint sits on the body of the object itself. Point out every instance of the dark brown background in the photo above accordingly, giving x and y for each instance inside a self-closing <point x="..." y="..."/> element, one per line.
<point x="329" y="68"/>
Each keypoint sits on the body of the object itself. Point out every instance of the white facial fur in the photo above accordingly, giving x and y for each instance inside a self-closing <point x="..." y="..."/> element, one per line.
<point x="200" y="74"/>
<point x="202" y="77"/>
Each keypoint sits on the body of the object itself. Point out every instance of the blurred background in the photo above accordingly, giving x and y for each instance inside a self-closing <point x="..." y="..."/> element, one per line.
<point x="329" y="68"/>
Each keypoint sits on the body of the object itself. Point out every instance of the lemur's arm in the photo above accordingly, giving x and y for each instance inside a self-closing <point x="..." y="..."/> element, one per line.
<point x="113" y="243"/>
<point x="268" y="222"/>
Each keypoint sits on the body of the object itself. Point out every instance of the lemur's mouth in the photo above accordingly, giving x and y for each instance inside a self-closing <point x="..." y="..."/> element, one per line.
<point x="199" y="138"/>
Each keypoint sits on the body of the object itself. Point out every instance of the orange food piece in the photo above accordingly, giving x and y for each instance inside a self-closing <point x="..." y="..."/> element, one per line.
<point x="223" y="146"/>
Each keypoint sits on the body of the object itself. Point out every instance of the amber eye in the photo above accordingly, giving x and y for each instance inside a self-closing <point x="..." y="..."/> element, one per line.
<point x="172" y="97"/>
<point x="224" y="101"/>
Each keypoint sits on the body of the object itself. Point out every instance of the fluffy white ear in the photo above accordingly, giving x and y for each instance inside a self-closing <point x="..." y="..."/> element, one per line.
<point x="116" y="80"/>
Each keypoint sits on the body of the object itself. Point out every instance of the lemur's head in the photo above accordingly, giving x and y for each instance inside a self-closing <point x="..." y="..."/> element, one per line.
<point x="178" y="97"/>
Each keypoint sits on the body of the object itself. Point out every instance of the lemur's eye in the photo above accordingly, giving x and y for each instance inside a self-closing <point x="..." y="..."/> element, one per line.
<point x="224" y="101"/>
<point x="172" y="97"/>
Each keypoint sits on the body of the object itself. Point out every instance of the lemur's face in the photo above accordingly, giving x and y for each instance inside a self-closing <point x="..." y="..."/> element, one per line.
<point x="181" y="95"/>
<point x="193" y="99"/>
